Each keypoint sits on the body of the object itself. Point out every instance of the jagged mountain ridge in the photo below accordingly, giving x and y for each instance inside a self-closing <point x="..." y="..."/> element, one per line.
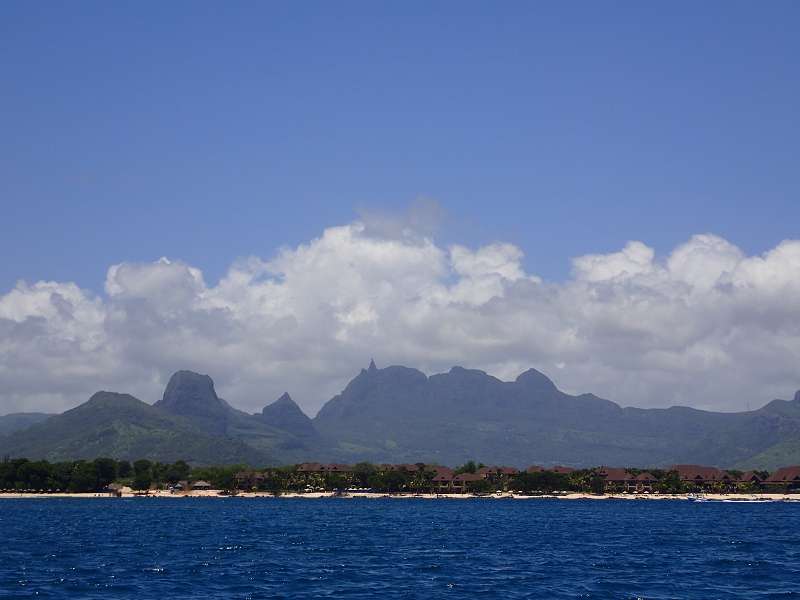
<point x="280" y="431"/>
<point x="399" y="414"/>
<point x="190" y="422"/>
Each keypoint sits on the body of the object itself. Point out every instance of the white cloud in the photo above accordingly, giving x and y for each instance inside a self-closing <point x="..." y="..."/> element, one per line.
<point x="634" y="259"/>
<point x="704" y="261"/>
<point x="706" y="326"/>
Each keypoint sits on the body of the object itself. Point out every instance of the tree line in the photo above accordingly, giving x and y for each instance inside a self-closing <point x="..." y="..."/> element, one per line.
<point x="88" y="475"/>
<point x="96" y="475"/>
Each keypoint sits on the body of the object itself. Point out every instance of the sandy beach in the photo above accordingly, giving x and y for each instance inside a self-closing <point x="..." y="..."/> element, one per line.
<point x="128" y="493"/>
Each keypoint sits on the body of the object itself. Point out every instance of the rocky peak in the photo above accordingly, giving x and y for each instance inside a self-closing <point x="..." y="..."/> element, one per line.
<point x="285" y="414"/>
<point x="284" y="401"/>
<point x="111" y="400"/>
<point x="533" y="379"/>
<point x="192" y="394"/>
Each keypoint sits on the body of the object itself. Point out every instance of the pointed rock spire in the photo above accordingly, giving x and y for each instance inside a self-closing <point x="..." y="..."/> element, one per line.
<point x="285" y="399"/>
<point x="285" y="414"/>
<point x="372" y="367"/>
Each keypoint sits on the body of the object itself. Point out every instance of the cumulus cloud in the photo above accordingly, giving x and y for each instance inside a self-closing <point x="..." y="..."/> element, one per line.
<point x="705" y="326"/>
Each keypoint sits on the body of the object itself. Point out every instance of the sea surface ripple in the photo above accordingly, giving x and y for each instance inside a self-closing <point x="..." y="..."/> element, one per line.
<point x="397" y="548"/>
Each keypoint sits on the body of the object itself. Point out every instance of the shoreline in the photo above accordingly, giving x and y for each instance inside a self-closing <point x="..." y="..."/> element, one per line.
<point x="733" y="497"/>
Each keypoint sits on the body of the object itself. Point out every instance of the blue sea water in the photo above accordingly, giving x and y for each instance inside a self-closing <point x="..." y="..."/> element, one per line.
<point x="397" y="548"/>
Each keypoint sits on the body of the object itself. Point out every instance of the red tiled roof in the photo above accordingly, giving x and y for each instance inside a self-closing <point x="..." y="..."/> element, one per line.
<point x="309" y="467"/>
<point x="468" y="477"/>
<point x="645" y="477"/>
<point x="561" y="469"/>
<point x="443" y="471"/>
<point x="409" y="467"/>
<point x="534" y="469"/>
<point x="785" y="475"/>
<point x="750" y="476"/>
<point x="337" y="468"/>
<point x="495" y="470"/>
<point x="699" y="473"/>
<point x="614" y="474"/>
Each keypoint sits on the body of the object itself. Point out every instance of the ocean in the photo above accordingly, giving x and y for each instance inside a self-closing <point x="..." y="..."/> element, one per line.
<point x="397" y="548"/>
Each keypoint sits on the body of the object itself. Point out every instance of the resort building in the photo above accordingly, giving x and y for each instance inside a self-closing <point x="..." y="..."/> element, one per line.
<point x="309" y="468"/>
<point x="751" y="477"/>
<point x="246" y="480"/>
<point x="701" y="478"/>
<point x="616" y="479"/>
<point x="785" y="479"/>
<point x="645" y="482"/>
<point x="464" y="482"/>
<point x="442" y="482"/>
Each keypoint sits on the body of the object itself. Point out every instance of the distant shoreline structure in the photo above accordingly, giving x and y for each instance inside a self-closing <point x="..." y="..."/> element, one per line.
<point x="108" y="477"/>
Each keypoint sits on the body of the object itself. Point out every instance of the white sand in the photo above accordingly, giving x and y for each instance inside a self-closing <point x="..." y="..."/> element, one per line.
<point x="128" y="493"/>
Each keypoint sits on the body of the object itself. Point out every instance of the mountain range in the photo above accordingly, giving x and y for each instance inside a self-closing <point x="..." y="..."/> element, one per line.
<point x="399" y="414"/>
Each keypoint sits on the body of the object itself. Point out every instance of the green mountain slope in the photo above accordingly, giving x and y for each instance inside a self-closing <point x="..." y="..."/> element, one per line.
<point x="780" y="455"/>
<point x="18" y="421"/>
<point x="120" y="426"/>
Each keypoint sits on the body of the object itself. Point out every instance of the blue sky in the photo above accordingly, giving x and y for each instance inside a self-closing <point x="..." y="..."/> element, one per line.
<point x="205" y="132"/>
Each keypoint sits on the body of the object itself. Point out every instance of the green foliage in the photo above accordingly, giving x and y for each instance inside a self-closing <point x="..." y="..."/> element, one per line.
<point x="336" y="481"/>
<point x="105" y="471"/>
<point x="275" y="484"/>
<point x="363" y="473"/>
<point x="177" y="471"/>
<point x="467" y="467"/>
<point x="541" y="482"/>
<point x="141" y="466"/>
<point x="84" y="477"/>
<point x="124" y="469"/>
<point x="142" y="482"/>
<point x="96" y="475"/>
<point x="668" y="482"/>
<point x="77" y="476"/>
<point x="481" y="487"/>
